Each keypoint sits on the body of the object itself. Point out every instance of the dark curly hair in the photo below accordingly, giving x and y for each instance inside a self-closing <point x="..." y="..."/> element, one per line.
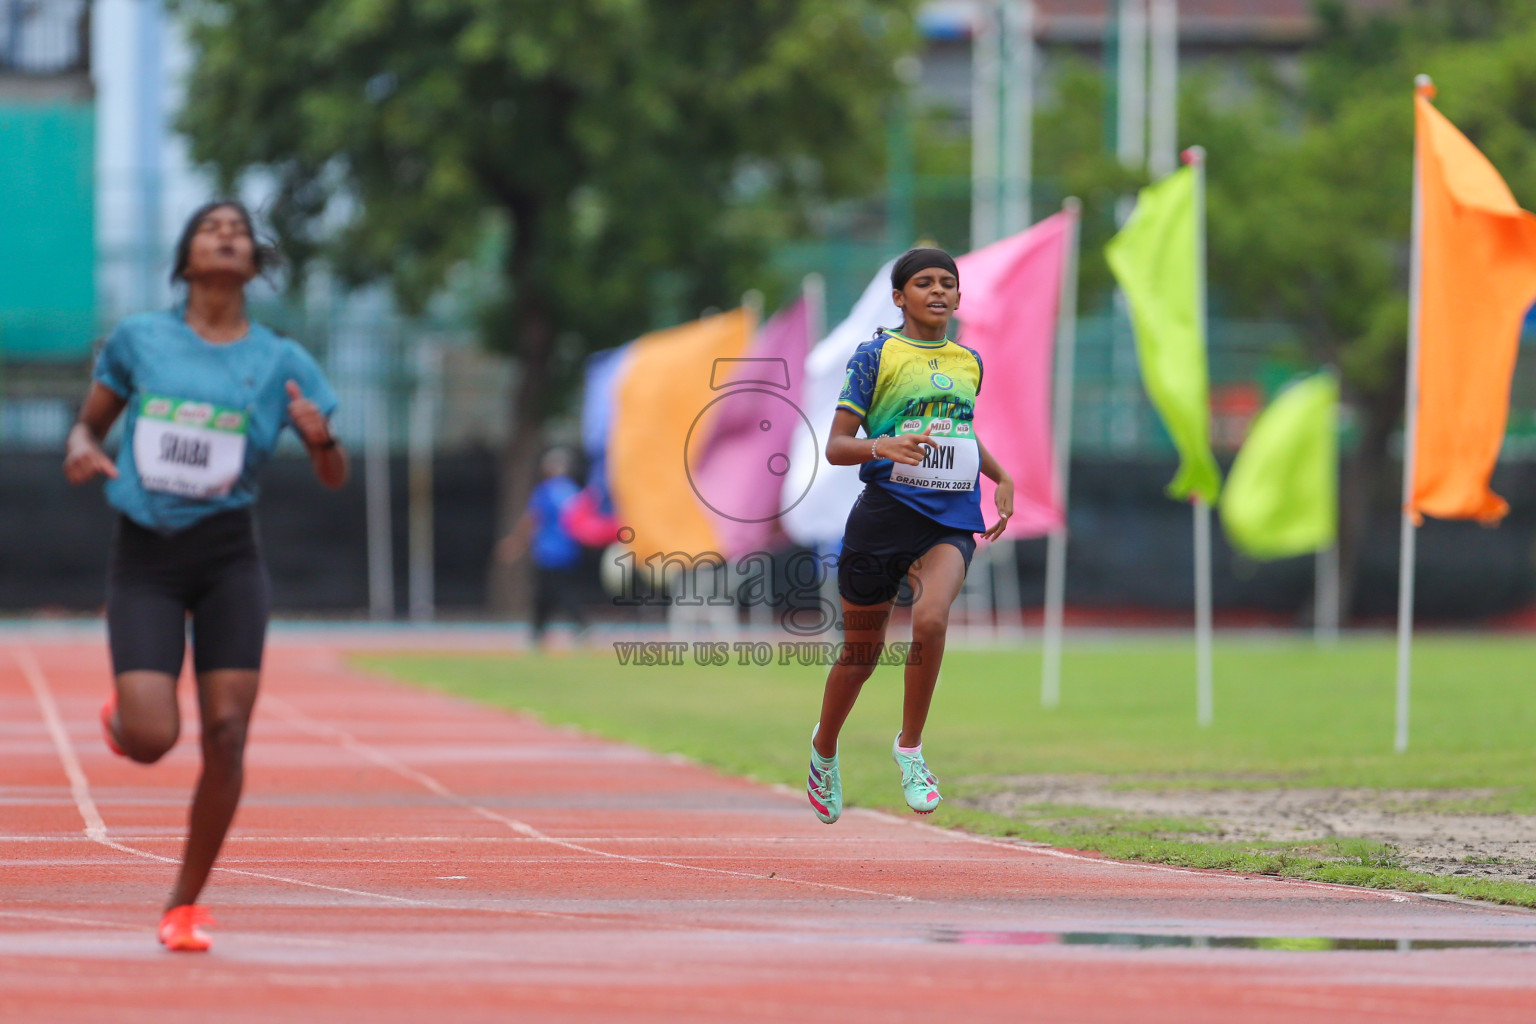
<point x="264" y="254"/>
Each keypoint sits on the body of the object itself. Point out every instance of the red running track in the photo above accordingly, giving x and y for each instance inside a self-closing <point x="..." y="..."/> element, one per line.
<point x="403" y="856"/>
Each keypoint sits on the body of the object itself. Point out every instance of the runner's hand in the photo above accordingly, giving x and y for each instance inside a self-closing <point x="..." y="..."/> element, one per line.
<point x="85" y="459"/>
<point x="306" y="417"/>
<point x="906" y="449"/>
<point x="1004" y="499"/>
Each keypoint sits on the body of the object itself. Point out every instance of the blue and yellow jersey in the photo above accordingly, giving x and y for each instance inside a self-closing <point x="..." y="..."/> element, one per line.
<point x="899" y="385"/>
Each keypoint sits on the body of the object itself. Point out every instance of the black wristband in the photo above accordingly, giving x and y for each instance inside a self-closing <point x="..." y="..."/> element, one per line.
<point x="326" y="445"/>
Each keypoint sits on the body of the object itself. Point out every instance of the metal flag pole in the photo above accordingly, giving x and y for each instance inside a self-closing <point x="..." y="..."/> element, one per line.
<point x="1327" y="598"/>
<point x="1204" y="709"/>
<point x="1056" y="540"/>
<point x="1325" y="605"/>
<point x="1407" y="554"/>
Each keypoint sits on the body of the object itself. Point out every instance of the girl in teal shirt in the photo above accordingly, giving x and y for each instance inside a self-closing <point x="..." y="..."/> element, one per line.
<point x="207" y="393"/>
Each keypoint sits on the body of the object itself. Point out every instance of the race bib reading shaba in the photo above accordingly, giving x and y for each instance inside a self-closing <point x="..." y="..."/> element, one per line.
<point x="191" y="449"/>
<point x="951" y="466"/>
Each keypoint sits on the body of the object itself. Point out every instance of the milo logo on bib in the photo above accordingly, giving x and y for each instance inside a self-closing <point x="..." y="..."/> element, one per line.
<point x="192" y="449"/>
<point x="952" y="463"/>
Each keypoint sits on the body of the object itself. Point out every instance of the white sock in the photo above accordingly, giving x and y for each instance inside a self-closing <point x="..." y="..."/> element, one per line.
<point x="910" y="751"/>
<point x="824" y="762"/>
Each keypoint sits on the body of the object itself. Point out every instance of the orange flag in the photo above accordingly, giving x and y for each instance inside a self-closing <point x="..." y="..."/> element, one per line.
<point x="1478" y="279"/>
<point x="663" y="411"/>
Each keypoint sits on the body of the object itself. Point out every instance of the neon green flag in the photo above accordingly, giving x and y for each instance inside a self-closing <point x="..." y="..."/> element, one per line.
<point x="1282" y="496"/>
<point x="1156" y="260"/>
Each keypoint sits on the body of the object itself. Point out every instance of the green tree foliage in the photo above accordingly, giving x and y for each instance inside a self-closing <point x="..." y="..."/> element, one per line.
<point x="1311" y="195"/>
<point x="1310" y="188"/>
<point x="612" y="143"/>
<point x="1075" y="156"/>
<point x="608" y="140"/>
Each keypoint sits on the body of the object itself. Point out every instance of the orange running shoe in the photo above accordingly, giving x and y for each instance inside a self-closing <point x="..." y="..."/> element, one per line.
<point x="109" y="709"/>
<point x="179" y="931"/>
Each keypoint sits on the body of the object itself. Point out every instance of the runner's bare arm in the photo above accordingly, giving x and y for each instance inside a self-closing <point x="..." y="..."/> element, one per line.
<point x="846" y="448"/>
<point x="326" y="455"/>
<point x="1004" y="497"/>
<point x="513" y="546"/>
<point x="83" y="457"/>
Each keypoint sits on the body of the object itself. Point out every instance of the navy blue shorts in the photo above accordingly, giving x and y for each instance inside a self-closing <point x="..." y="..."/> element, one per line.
<point x="883" y="538"/>
<point x="212" y="572"/>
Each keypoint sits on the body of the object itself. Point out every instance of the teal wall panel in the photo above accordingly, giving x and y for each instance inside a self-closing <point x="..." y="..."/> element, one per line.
<point x="47" y="230"/>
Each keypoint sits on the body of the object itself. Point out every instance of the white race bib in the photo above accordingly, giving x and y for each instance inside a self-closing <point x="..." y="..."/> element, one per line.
<point x="192" y="449"/>
<point x="952" y="466"/>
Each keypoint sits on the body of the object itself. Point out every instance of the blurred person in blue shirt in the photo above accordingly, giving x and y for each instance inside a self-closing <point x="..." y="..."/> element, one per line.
<point x="543" y="533"/>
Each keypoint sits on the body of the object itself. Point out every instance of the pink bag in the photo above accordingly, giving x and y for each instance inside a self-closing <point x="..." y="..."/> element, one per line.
<point x="583" y="518"/>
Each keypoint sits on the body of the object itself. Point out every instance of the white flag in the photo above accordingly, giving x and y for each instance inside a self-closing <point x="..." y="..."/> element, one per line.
<point x="819" y="518"/>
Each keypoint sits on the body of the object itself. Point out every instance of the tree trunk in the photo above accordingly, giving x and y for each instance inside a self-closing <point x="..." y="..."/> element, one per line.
<point x="518" y="466"/>
<point x="1366" y="489"/>
<point x="510" y="587"/>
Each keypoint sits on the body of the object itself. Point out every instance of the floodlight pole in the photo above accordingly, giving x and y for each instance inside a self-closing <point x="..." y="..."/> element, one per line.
<point x="421" y="563"/>
<point x="1056" y="540"/>
<point x="1407" y="554"/>
<point x="1163" y="94"/>
<point x="1131" y="113"/>
<point x="1016" y="22"/>
<point x="381" y="562"/>
<point x="1204" y="710"/>
<point x="986" y="119"/>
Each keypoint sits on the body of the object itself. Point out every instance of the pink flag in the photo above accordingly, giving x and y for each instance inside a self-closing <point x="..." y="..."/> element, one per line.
<point x="739" y="479"/>
<point x="1010" y="292"/>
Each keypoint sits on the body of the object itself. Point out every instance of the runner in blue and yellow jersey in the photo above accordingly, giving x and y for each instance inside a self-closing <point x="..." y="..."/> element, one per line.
<point x="205" y="393"/>
<point x="914" y="393"/>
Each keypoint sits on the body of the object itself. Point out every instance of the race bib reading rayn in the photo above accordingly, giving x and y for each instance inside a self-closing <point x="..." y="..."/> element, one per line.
<point x="191" y="449"/>
<point x="951" y="466"/>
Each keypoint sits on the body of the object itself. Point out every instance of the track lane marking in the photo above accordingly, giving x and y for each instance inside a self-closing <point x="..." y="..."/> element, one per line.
<point x="37" y="680"/>
<point x="522" y="828"/>
<point x="80" y="789"/>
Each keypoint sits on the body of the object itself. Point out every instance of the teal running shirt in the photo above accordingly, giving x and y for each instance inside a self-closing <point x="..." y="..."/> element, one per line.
<point x="201" y="417"/>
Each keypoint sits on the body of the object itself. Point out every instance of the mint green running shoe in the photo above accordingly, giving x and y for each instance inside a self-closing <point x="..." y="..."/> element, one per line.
<point x="824" y="786"/>
<point x="918" y="784"/>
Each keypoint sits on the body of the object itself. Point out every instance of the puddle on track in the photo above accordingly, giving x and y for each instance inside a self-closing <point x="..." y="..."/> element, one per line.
<point x="1145" y="940"/>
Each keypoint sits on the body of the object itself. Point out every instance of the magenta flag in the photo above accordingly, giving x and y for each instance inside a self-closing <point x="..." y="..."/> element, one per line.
<point x="1010" y="294"/>
<point x="739" y="478"/>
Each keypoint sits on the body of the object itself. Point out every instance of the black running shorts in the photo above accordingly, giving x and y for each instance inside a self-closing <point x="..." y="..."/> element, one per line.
<point x="212" y="571"/>
<point x="883" y="538"/>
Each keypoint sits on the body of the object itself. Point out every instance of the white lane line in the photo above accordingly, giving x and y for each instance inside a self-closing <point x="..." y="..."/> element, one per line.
<point x="1044" y="850"/>
<point x="80" y="789"/>
<point x="79" y="786"/>
<point x="522" y="828"/>
<point x="51" y="918"/>
<point x="496" y="839"/>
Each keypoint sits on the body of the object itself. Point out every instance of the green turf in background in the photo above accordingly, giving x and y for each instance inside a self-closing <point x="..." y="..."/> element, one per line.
<point x="1287" y="712"/>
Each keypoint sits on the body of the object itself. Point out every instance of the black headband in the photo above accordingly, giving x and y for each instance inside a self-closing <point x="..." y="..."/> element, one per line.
<point x="921" y="259"/>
